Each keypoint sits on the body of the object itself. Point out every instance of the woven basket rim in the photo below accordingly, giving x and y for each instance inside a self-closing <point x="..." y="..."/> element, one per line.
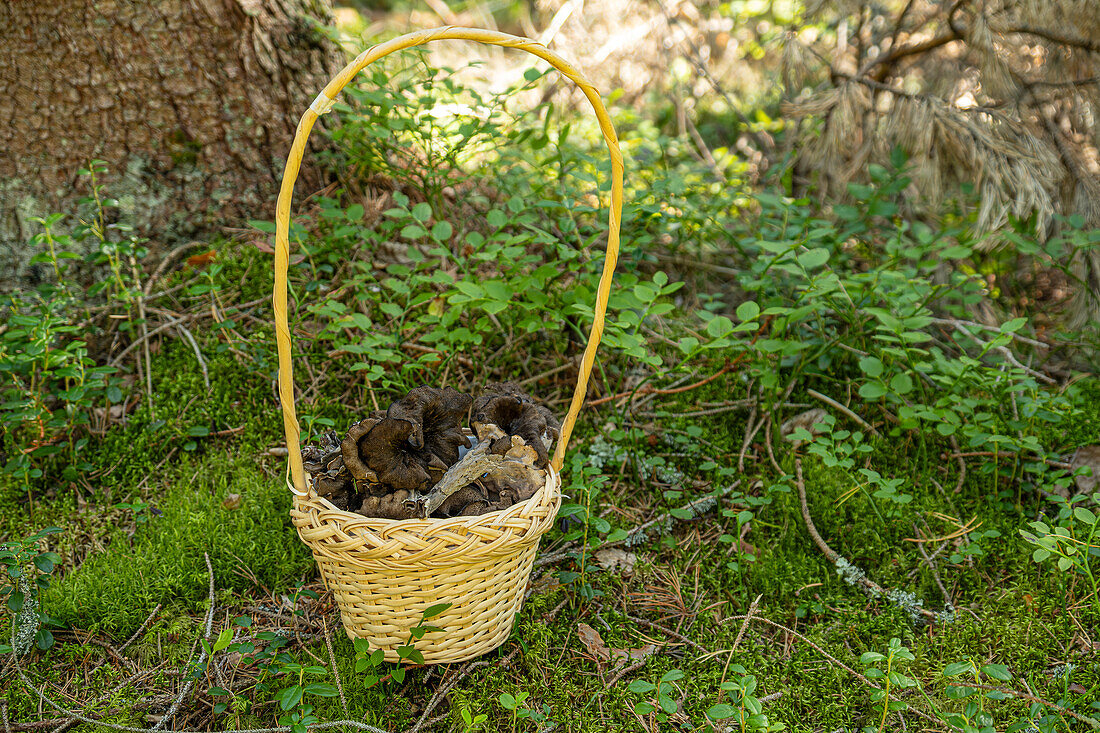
<point x="351" y="538"/>
<point x="379" y="524"/>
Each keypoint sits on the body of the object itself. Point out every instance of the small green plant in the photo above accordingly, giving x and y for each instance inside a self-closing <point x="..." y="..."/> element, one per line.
<point x="838" y="449"/>
<point x="744" y="711"/>
<point x="1071" y="540"/>
<point x="289" y="683"/>
<point x="885" y="667"/>
<point x="471" y="722"/>
<point x="375" y="661"/>
<point x="657" y="699"/>
<point x="514" y="704"/>
<point x="49" y="388"/>
<point x="974" y="718"/>
<point x="138" y="509"/>
<point x="28" y="571"/>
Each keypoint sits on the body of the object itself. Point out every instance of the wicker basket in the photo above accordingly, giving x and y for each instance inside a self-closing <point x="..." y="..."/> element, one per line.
<point x="383" y="573"/>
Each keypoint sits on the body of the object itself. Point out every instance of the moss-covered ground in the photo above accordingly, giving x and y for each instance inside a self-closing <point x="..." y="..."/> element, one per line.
<point x="121" y="563"/>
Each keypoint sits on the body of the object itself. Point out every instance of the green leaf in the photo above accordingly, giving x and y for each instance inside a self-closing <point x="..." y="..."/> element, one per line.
<point x="442" y="231"/>
<point x="721" y="711"/>
<point x="225" y="638"/>
<point x="872" y="390"/>
<point x="901" y="384"/>
<point x="641" y="687"/>
<point x="1014" y="325"/>
<point x="719" y="326"/>
<point x="688" y="344"/>
<point x="289" y="697"/>
<point x="955" y="253"/>
<point x="1064" y="563"/>
<point x="997" y="672"/>
<point x="435" y="610"/>
<point x="748" y="311"/>
<point x="321" y="689"/>
<point x="871" y="366"/>
<point x="814" y="258"/>
<point x="1084" y="515"/>
<point x="263" y="226"/>
<point x="507" y="701"/>
<point x="45" y="563"/>
<point x="955" y="669"/>
<point x="422" y="212"/>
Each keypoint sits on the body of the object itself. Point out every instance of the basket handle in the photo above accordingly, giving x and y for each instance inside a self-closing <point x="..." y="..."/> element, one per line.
<point x="322" y="104"/>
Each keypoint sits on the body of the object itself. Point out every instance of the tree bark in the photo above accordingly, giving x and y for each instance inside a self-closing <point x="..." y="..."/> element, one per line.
<point x="192" y="104"/>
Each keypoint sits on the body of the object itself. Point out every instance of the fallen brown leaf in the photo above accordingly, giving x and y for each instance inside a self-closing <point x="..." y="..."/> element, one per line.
<point x="806" y="420"/>
<point x="202" y="260"/>
<point x="613" y="559"/>
<point x="593" y="642"/>
<point x="633" y="655"/>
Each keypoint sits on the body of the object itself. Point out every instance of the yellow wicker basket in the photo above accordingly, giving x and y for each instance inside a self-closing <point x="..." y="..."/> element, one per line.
<point x="384" y="574"/>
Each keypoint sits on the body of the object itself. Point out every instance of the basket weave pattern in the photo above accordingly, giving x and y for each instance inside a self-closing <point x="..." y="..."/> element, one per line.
<point x="384" y="573"/>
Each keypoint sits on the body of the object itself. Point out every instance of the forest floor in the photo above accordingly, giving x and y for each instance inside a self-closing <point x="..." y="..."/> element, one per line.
<point x="136" y="593"/>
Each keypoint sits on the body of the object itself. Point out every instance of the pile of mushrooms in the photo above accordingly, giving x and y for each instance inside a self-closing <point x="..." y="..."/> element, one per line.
<point x="416" y="459"/>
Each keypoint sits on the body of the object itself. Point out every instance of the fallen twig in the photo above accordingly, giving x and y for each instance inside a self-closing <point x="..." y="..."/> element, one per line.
<point x="637" y="534"/>
<point x="832" y="555"/>
<point x="675" y="390"/>
<point x="935" y="574"/>
<point x="335" y="669"/>
<point x="209" y="627"/>
<point x="836" y="405"/>
<point x="669" y="632"/>
<point x="141" y="629"/>
<point x="198" y="352"/>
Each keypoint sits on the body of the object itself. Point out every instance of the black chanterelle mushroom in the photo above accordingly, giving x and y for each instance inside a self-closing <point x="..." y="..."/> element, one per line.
<point x="353" y="456"/>
<point x="437" y="416"/>
<point x="387" y="452"/>
<point x="512" y="410"/>
<point x="331" y="478"/>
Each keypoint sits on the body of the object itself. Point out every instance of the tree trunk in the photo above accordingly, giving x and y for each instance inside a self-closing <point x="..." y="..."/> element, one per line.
<point x="192" y="104"/>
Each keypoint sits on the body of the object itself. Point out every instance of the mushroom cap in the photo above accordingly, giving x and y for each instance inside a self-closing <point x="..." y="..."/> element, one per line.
<point x="388" y="453"/>
<point x="390" y="506"/>
<point x="351" y="450"/>
<point x="437" y="416"/>
<point x="321" y="456"/>
<point x="518" y="415"/>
